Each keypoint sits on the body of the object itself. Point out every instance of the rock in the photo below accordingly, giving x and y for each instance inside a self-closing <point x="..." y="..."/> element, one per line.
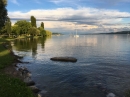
<point x="20" y="69"/>
<point x="42" y="93"/>
<point x="18" y="61"/>
<point x="28" y="74"/>
<point x="29" y="82"/>
<point x="19" y="57"/>
<point x="111" y="95"/>
<point x="34" y="89"/>
<point x="39" y="95"/>
<point x="65" y="59"/>
<point x="15" y="64"/>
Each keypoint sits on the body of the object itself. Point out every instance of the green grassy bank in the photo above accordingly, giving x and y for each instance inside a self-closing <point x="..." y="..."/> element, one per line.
<point x="10" y="86"/>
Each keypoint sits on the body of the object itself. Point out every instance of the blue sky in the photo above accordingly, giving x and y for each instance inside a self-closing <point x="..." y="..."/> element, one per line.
<point x="87" y="16"/>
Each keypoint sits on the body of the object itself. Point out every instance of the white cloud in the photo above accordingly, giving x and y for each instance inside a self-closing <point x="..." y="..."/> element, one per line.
<point x="58" y="1"/>
<point x="86" y="19"/>
<point x="15" y="2"/>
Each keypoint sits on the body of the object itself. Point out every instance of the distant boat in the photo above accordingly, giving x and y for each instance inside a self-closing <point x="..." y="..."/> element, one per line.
<point x="76" y="34"/>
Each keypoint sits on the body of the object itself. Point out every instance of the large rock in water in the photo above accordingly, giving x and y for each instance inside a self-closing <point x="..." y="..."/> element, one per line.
<point x="65" y="59"/>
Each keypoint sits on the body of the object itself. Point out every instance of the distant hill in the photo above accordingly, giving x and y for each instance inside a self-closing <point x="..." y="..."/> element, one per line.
<point x="121" y="32"/>
<point x="57" y="34"/>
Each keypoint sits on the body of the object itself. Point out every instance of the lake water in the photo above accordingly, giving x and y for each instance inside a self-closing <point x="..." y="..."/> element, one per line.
<point x="103" y="64"/>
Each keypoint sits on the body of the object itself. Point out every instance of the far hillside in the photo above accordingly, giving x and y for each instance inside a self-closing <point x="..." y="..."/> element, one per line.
<point x="121" y="32"/>
<point x="55" y="33"/>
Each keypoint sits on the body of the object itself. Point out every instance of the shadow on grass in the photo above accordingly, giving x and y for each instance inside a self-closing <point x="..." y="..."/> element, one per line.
<point x="13" y="87"/>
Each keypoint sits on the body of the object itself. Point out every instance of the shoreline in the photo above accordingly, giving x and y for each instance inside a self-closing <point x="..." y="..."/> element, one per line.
<point x="21" y="73"/>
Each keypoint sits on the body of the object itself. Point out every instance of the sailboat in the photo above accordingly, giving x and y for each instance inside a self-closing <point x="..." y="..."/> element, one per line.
<point x="76" y="34"/>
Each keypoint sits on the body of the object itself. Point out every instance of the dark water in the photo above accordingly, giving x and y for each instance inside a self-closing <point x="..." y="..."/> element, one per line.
<point x="103" y="64"/>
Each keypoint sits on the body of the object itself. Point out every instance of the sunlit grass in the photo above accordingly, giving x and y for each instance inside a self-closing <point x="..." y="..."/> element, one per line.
<point x="5" y="57"/>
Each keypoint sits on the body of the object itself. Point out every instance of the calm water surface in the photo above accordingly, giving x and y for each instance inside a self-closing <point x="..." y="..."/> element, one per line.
<point x="103" y="64"/>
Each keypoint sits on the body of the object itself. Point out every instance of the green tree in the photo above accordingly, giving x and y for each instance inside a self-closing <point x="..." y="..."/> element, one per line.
<point x="8" y="26"/>
<point x="42" y="31"/>
<point x="3" y="12"/>
<point x="23" y="26"/>
<point x="42" y="25"/>
<point x="33" y="21"/>
<point x="16" y="30"/>
<point x="38" y="32"/>
<point x="33" y="31"/>
<point x="3" y="30"/>
<point x="48" y="33"/>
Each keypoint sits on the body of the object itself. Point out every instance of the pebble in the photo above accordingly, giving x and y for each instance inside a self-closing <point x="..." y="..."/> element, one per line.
<point x="29" y="82"/>
<point x="34" y="89"/>
<point x="42" y="93"/>
<point x="111" y="95"/>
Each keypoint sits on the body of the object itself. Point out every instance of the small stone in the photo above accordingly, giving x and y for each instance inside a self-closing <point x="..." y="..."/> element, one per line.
<point x="20" y="69"/>
<point x="34" y="89"/>
<point x="29" y="82"/>
<point x="42" y="93"/>
<point x="39" y="95"/>
<point x="111" y="95"/>
<point x="28" y="74"/>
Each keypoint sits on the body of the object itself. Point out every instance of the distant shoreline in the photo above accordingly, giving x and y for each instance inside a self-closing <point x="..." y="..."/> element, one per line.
<point x="121" y="32"/>
<point x="110" y="33"/>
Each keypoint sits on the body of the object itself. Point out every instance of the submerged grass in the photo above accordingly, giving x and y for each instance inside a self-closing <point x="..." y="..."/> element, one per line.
<point x="9" y="86"/>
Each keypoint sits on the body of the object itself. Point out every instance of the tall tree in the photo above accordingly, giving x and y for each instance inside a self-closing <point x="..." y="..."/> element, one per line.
<point x="42" y="25"/>
<point x="33" y="21"/>
<point x="23" y="26"/>
<point x="32" y="31"/>
<point x="3" y="12"/>
<point x="42" y="31"/>
<point x="8" y="26"/>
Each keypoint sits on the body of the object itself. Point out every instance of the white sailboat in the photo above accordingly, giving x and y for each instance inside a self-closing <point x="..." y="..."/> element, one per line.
<point x="76" y="34"/>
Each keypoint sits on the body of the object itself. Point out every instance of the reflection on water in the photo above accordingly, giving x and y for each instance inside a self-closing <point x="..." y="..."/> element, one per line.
<point x="103" y="64"/>
<point x="29" y="44"/>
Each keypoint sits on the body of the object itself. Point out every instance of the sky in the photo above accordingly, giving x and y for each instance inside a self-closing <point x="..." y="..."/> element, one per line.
<point x="66" y="16"/>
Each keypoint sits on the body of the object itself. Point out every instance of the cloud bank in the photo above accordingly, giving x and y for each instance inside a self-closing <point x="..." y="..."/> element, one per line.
<point x="86" y="19"/>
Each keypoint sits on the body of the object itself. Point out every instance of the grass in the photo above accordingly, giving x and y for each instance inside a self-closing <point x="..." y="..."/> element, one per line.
<point x="9" y="86"/>
<point x="12" y="87"/>
<point x="5" y="56"/>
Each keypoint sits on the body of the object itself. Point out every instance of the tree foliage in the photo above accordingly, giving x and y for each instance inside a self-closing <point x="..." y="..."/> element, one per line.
<point x="42" y="25"/>
<point x="48" y="33"/>
<point x="42" y="31"/>
<point x="3" y="12"/>
<point x="8" y="26"/>
<point x="16" y="30"/>
<point x="33" y="21"/>
<point x="23" y="26"/>
<point x="33" y="31"/>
